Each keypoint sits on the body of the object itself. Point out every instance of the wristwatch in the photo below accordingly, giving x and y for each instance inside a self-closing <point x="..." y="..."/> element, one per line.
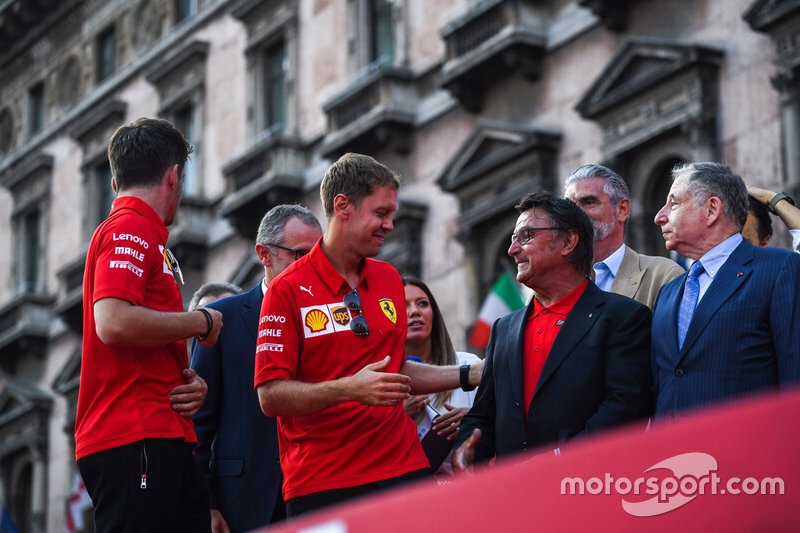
<point x="777" y="198"/>
<point x="464" y="376"/>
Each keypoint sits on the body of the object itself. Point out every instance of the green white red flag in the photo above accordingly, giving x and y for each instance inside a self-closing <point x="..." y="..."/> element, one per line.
<point x="503" y="298"/>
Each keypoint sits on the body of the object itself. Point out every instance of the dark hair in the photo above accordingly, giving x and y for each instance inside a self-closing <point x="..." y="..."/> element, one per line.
<point x="356" y="176"/>
<point x="761" y="214"/>
<point x="213" y="290"/>
<point x="716" y="179"/>
<point x="140" y="152"/>
<point x="442" y="351"/>
<point x="568" y="216"/>
<point x="273" y="224"/>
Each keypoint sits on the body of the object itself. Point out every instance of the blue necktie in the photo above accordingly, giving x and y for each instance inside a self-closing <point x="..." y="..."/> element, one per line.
<point x="602" y="276"/>
<point x="691" y="291"/>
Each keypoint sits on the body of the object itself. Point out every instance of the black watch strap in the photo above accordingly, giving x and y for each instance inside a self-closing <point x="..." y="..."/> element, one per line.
<point x="777" y="198"/>
<point x="464" y="376"/>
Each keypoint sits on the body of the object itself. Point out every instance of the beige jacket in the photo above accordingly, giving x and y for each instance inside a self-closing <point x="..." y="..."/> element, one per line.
<point x="641" y="276"/>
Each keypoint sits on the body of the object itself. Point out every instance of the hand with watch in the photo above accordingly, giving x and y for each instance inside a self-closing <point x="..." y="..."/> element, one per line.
<point x="470" y="376"/>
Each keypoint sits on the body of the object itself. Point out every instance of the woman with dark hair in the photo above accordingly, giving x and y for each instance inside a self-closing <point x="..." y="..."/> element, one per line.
<point x="428" y="340"/>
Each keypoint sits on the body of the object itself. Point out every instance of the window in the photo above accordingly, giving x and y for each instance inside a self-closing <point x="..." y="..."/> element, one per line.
<point x="104" y="194"/>
<point x="29" y="244"/>
<point x="274" y="65"/>
<point x="381" y="32"/>
<point x="184" y="9"/>
<point x="184" y="119"/>
<point x="35" y="109"/>
<point x="106" y="54"/>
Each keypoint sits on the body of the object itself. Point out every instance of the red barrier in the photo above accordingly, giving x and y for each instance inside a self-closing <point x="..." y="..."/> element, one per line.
<point x="732" y="468"/>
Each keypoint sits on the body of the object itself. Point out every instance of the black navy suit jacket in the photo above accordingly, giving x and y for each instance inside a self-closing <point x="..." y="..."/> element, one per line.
<point x="597" y="375"/>
<point x="744" y="335"/>
<point x="237" y="444"/>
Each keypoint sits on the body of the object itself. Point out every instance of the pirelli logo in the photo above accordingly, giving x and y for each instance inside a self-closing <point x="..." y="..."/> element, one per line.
<point x="269" y="347"/>
<point x="126" y="265"/>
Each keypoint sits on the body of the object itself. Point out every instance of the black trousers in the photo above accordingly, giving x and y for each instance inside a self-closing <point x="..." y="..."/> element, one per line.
<point x="152" y="485"/>
<point x="318" y="500"/>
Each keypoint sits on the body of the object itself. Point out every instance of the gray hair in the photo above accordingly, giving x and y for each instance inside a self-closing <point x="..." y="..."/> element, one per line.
<point x="213" y="290"/>
<point x="614" y="187"/>
<point x="709" y="179"/>
<point x="271" y="230"/>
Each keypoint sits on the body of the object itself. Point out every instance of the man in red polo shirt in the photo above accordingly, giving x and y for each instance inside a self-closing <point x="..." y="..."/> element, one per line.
<point x="133" y="428"/>
<point x="330" y="360"/>
<point x="576" y="360"/>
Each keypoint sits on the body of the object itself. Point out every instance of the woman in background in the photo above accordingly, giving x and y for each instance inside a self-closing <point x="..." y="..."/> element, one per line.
<point x="427" y="339"/>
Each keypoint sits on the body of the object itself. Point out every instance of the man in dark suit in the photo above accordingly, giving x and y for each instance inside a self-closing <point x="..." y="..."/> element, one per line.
<point x="237" y="444"/>
<point x="575" y="361"/>
<point x="730" y="325"/>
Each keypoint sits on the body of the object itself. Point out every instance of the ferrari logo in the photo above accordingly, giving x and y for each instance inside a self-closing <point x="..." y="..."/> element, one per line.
<point x="387" y="306"/>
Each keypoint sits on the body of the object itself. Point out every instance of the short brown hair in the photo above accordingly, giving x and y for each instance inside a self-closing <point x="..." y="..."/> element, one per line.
<point x="356" y="176"/>
<point x="140" y="152"/>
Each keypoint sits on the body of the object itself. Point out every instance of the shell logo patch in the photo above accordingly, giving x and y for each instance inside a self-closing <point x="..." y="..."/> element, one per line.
<point x="316" y="320"/>
<point x="340" y="314"/>
<point x="387" y="306"/>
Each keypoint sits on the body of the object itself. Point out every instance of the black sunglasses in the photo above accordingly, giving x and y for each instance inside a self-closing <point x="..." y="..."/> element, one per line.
<point x="297" y="253"/>
<point x="358" y="324"/>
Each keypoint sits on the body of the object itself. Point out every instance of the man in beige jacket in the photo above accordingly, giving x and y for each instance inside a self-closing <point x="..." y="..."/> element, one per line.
<point x="604" y="196"/>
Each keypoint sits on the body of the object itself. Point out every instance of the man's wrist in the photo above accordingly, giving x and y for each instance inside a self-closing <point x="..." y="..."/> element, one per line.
<point x="464" y="378"/>
<point x="778" y="198"/>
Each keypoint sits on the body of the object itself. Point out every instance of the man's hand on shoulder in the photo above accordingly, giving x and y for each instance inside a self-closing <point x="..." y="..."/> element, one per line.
<point x="187" y="399"/>
<point x="372" y="386"/>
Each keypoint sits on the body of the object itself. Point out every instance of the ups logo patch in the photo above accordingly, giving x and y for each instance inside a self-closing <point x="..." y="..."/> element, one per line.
<point x="340" y="315"/>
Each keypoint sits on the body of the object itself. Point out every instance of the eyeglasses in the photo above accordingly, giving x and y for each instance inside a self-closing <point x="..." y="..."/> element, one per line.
<point x="524" y="235"/>
<point x="358" y="324"/>
<point x="297" y="253"/>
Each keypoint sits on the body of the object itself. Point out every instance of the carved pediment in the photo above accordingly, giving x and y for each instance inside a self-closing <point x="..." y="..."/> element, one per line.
<point x="492" y="144"/>
<point x="67" y="379"/>
<point x="640" y="65"/>
<point x="18" y="399"/>
<point x="762" y="15"/>
<point x="181" y="66"/>
<point x="654" y="86"/>
<point x="24" y="417"/>
<point x="94" y="128"/>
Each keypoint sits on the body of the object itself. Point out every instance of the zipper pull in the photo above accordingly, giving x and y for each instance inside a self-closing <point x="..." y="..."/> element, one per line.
<point x="143" y="484"/>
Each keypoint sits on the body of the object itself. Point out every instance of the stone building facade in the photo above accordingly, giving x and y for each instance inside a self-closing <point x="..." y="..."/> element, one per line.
<point x="473" y="102"/>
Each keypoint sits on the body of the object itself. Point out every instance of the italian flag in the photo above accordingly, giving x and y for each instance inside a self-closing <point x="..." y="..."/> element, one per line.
<point x="501" y="300"/>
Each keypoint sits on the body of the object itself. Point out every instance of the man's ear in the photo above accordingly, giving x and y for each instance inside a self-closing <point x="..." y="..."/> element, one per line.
<point x="264" y="255"/>
<point x="569" y="243"/>
<point x="342" y="206"/>
<point x="623" y="210"/>
<point x="714" y="210"/>
<point x="114" y="185"/>
<point x="173" y="177"/>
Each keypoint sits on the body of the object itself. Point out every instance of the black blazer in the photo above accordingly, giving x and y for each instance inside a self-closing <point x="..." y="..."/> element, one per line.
<point x="596" y="375"/>
<point x="237" y="444"/>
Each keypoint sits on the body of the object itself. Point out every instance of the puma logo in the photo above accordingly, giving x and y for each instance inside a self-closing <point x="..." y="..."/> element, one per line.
<point x="308" y="290"/>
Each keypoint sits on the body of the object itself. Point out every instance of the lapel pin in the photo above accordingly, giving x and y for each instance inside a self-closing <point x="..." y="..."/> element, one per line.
<point x="590" y="315"/>
<point x="739" y="274"/>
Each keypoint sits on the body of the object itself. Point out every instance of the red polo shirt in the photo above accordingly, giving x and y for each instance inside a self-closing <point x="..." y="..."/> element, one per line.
<point x="124" y="392"/>
<point x="541" y="331"/>
<point x="304" y="334"/>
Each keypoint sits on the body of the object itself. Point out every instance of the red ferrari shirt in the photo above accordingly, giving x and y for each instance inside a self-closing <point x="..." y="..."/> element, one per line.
<point x="304" y="334"/>
<point x="541" y="331"/>
<point x="124" y="392"/>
